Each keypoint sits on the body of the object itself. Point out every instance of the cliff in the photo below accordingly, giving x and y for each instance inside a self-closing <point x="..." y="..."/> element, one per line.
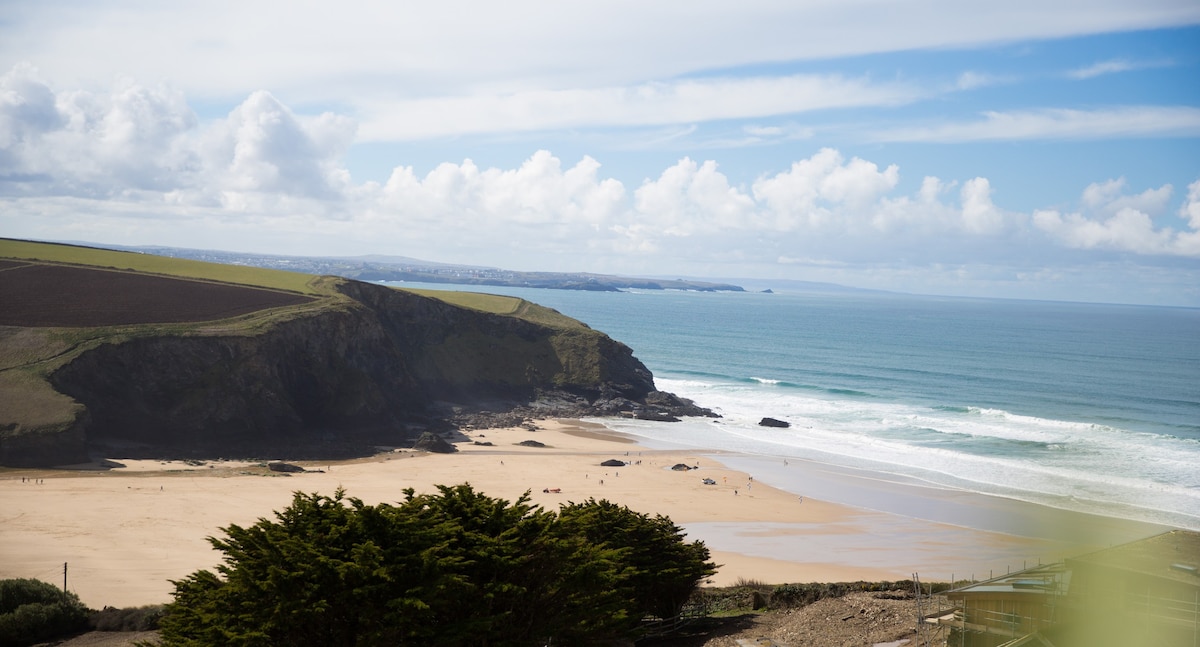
<point x="372" y="366"/>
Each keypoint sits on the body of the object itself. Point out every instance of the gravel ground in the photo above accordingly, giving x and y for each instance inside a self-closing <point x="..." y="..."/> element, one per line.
<point x="107" y="639"/>
<point x="861" y="619"/>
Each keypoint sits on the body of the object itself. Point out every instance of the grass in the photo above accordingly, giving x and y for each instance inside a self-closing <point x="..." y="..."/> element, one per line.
<point x="149" y="263"/>
<point x="501" y="305"/>
<point x="493" y="303"/>
<point x="32" y="401"/>
<point x="751" y="583"/>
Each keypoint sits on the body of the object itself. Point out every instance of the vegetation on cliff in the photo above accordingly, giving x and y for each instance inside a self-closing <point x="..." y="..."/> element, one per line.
<point x="452" y="568"/>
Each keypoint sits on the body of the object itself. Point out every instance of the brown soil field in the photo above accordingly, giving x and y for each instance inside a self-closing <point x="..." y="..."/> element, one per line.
<point x="39" y="295"/>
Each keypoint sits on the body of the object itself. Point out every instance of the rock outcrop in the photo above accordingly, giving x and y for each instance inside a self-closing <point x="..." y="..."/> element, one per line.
<point x="431" y="442"/>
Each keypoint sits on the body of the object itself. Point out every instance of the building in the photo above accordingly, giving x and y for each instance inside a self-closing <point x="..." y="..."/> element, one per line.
<point x="1145" y="592"/>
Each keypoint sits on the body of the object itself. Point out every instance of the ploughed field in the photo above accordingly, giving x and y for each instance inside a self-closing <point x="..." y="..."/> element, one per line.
<point x="37" y="294"/>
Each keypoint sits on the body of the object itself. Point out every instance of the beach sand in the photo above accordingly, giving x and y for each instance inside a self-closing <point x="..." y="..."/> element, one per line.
<point x="124" y="532"/>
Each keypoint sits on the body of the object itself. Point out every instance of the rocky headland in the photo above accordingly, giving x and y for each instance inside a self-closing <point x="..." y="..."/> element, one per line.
<point x="359" y="367"/>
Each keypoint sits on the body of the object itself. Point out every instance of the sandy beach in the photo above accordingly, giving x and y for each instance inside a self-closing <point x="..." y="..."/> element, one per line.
<point x="125" y="532"/>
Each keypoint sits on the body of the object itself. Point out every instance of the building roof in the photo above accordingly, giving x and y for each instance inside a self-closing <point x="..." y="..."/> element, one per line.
<point x="1039" y="580"/>
<point x="1173" y="555"/>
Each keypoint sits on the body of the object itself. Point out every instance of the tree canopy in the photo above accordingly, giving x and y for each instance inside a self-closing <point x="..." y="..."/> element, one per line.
<point x="451" y="568"/>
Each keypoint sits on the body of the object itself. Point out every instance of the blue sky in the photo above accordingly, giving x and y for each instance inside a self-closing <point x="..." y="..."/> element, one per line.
<point x="1046" y="150"/>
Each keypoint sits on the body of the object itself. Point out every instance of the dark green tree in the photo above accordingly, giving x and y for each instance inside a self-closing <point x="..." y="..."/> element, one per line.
<point x="520" y="579"/>
<point x="328" y="570"/>
<point x="661" y="568"/>
<point x="451" y="568"/>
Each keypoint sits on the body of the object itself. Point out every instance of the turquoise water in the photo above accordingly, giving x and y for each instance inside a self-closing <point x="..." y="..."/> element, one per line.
<point x="1087" y="407"/>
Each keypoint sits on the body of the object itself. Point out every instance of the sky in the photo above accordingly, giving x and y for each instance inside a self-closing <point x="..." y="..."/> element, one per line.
<point x="1037" y="149"/>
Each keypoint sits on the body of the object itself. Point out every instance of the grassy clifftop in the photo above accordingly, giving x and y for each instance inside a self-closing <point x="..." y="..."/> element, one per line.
<point x="162" y="265"/>
<point x="104" y="347"/>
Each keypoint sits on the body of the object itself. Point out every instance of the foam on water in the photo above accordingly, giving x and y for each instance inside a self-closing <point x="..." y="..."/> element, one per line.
<point x="1081" y="466"/>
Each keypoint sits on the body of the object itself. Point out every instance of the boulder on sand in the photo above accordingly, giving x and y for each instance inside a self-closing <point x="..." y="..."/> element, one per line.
<point x="772" y="422"/>
<point x="612" y="462"/>
<point x="280" y="466"/>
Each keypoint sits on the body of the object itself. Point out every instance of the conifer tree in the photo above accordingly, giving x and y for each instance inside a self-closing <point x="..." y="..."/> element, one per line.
<point x="451" y="568"/>
<point x="661" y="568"/>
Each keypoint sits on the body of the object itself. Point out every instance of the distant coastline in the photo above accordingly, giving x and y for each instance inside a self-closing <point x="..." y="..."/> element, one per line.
<point x="403" y="269"/>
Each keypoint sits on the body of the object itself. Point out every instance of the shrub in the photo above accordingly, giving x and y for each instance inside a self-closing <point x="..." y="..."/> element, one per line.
<point x="798" y="595"/>
<point x="143" y="618"/>
<point x="750" y="583"/>
<point x="32" y="611"/>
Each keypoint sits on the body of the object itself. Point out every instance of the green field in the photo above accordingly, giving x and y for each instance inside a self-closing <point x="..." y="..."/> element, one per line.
<point x="260" y="277"/>
<point x="183" y="268"/>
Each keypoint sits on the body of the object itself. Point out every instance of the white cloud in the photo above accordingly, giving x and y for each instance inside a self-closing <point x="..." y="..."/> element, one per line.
<point x="1128" y="230"/>
<point x="1113" y="66"/>
<point x="261" y="147"/>
<point x="462" y="197"/>
<point x="971" y="80"/>
<point x="1112" y="220"/>
<point x="646" y="104"/>
<point x="1107" y="197"/>
<point x="823" y="192"/>
<point x="224" y="48"/>
<point x="138" y="143"/>
<point x="1191" y="209"/>
<point x="128" y="139"/>
<point x="690" y="198"/>
<point x="980" y="215"/>
<point x="27" y="107"/>
<point x="1100" y="69"/>
<point x="1057" y="124"/>
<point x="763" y="131"/>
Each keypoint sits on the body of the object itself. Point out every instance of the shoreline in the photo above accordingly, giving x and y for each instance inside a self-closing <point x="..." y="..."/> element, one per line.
<point x="125" y="532"/>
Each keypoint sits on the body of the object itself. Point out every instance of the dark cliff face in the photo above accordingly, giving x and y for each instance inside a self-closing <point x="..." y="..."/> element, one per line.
<point x="374" y="371"/>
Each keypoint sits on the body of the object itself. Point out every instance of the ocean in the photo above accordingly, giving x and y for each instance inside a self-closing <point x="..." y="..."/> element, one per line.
<point x="1085" y="407"/>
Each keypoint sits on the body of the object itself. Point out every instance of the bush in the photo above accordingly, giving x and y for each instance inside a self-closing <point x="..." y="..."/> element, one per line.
<point x="32" y="611"/>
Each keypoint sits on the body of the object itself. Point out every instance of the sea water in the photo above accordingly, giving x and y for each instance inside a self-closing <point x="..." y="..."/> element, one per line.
<point x="1087" y="407"/>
